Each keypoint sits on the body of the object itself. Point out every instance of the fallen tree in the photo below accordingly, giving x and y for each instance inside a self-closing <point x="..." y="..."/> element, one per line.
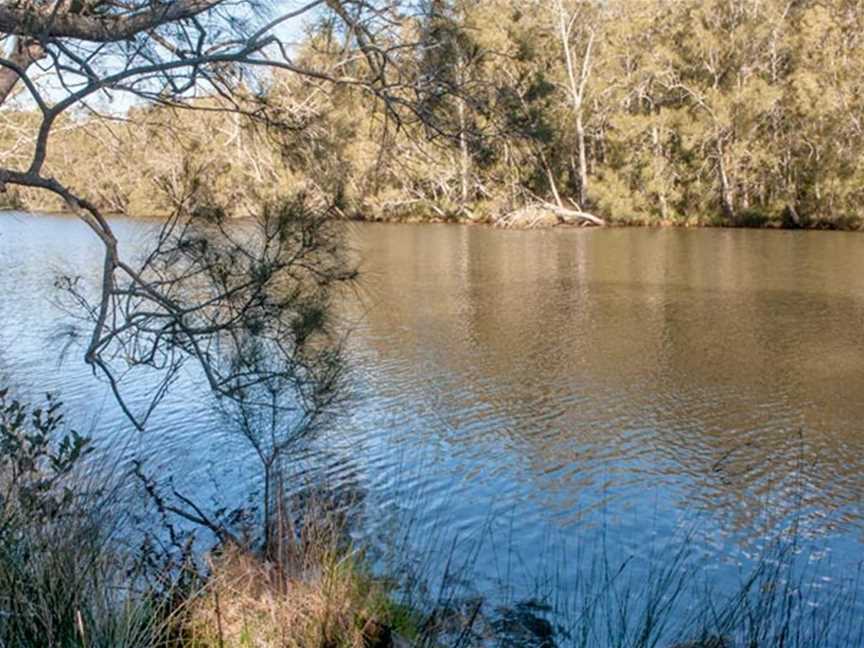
<point x="539" y="215"/>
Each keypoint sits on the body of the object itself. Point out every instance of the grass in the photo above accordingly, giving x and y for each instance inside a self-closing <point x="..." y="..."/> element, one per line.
<point x="63" y="569"/>
<point x="671" y="604"/>
<point x="70" y="577"/>
<point x="317" y="592"/>
<point x="248" y="602"/>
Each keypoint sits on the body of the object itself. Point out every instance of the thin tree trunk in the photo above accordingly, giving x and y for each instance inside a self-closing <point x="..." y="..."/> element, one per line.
<point x="267" y="508"/>
<point x="659" y="171"/>
<point x="465" y="161"/>
<point x="582" y="195"/>
<point x="552" y="184"/>
<point x="578" y="85"/>
<point x="726" y="198"/>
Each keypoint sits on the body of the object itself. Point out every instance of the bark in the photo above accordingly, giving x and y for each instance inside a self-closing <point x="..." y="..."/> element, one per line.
<point x="794" y="216"/>
<point x="46" y="22"/>
<point x="575" y="215"/>
<point x="551" y="177"/>
<point x="464" y="162"/>
<point x="25" y="52"/>
<point x="545" y="214"/>
<point x="582" y="194"/>
<point x="726" y="198"/>
<point x="578" y="84"/>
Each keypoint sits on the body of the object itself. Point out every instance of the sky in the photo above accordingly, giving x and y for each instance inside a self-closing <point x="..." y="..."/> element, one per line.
<point x="116" y="102"/>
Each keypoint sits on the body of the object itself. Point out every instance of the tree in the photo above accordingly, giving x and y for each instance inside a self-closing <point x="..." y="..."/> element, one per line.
<point x="724" y="111"/>
<point x="203" y="292"/>
<point x="578" y="33"/>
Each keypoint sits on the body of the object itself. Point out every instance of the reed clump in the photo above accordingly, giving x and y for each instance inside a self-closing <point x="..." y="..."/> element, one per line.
<point x="64" y="571"/>
<point x="311" y="590"/>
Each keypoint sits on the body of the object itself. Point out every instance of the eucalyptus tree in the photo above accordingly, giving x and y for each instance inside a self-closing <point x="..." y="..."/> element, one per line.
<point x="578" y="32"/>
<point x="714" y="68"/>
<point x="820" y="173"/>
<point x="723" y="111"/>
<point x="451" y="63"/>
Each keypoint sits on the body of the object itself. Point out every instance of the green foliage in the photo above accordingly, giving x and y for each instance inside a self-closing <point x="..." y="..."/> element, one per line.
<point x="37" y="456"/>
<point x="64" y="581"/>
<point x="692" y="112"/>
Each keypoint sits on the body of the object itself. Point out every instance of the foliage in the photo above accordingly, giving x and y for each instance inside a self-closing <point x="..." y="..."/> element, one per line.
<point x="35" y="460"/>
<point x="64" y="577"/>
<point x="727" y="112"/>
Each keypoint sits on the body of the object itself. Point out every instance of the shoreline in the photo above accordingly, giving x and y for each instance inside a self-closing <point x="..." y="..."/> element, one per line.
<point x="696" y="224"/>
<point x="819" y="226"/>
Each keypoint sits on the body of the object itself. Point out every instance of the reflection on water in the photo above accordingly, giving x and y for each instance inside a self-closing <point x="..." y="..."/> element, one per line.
<point x="720" y="368"/>
<point x="553" y="385"/>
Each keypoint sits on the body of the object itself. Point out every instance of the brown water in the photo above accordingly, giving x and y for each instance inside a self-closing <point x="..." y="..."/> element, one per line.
<point x="540" y="390"/>
<point x="724" y="362"/>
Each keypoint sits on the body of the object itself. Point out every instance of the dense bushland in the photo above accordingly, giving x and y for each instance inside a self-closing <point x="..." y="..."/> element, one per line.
<point x="638" y="111"/>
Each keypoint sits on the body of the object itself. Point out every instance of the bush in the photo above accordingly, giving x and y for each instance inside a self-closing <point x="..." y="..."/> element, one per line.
<point x="63" y="577"/>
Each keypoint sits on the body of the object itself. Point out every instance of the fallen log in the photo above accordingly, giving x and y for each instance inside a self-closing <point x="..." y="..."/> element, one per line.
<point x="574" y="215"/>
<point x="541" y="215"/>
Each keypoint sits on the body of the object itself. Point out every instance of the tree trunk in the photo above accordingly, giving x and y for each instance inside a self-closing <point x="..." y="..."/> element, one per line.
<point x="659" y="172"/>
<point x="464" y="161"/>
<point x="551" y="177"/>
<point x="578" y="84"/>
<point x="726" y="198"/>
<point x="793" y="214"/>
<point x="574" y="215"/>
<point x="582" y="195"/>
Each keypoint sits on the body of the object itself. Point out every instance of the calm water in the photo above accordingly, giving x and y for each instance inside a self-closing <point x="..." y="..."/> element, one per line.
<point x="538" y="391"/>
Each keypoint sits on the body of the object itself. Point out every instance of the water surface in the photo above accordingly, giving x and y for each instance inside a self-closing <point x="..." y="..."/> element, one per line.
<point x="543" y="391"/>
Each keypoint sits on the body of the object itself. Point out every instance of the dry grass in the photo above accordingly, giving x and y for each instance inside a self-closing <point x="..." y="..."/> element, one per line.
<point x="314" y="593"/>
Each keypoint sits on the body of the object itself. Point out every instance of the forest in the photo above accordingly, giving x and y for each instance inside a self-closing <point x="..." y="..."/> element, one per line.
<point x="649" y="112"/>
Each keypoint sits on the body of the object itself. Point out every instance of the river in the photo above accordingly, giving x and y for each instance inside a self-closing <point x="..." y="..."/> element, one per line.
<point x="522" y="397"/>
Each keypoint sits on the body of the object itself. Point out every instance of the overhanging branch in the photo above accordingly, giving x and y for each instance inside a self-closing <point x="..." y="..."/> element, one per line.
<point x="43" y="22"/>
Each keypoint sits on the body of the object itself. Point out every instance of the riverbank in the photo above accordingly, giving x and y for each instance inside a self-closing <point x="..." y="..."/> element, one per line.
<point x="540" y="217"/>
<point x="79" y="567"/>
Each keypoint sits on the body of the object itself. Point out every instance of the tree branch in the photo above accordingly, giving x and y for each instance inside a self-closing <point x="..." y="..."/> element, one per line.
<point x="25" y="52"/>
<point x="43" y="23"/>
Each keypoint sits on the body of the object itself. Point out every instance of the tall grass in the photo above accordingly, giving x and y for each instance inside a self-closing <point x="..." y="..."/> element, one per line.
<point x="64" y="574"/>
<point x="669" y="603"/>
<point x="316" y="592"/>
<point x="593" y="596"/>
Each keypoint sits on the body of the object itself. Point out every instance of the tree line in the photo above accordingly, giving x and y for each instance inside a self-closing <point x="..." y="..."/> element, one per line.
<point x="691" y="112"/>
